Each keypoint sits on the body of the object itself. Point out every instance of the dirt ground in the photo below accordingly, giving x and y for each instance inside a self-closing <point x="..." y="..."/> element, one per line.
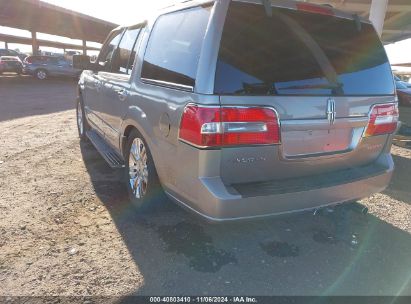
<point x="66" y="227"/>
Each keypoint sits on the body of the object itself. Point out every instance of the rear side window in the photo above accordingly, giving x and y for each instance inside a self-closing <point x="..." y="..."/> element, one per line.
<point x="125" y="51"/>
<point x="174" y="46"/>
<point x="299" y="53"/>
<point x="52" y="60"/>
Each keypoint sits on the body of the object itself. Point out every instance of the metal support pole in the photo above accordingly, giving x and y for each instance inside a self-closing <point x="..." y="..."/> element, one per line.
<point x="377" y="14"/>
<point x="34" y="43"/>
<point x="84" y="47"/>
<point x="6" y="45"/>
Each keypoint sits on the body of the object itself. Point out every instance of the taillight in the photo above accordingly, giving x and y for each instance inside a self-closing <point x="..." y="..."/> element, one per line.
<point x="317" y="9"/>
<point x="383" y="120"/>
<point x="229" y="126"/>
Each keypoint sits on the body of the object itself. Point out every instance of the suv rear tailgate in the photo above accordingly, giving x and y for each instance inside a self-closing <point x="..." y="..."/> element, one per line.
<point x="322" y="74"/>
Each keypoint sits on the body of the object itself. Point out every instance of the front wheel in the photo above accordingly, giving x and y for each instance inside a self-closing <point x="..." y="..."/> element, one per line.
<point x="142" y="181"/>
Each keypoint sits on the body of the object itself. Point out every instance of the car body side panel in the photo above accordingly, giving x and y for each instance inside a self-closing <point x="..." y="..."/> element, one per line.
<point x="156" y="112"/>
<point x="91" y="97"/>
<point x="111" y="108"/>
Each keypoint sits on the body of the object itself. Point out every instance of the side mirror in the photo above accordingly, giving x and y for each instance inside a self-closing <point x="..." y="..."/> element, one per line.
<point x="82" y="62"/>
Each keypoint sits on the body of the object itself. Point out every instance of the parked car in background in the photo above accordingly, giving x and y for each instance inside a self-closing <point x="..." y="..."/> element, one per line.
<point x="7" y="52"/>
<point x="398" y="79"/>
<point x="404" y="93"/>
<point x="206" y="102"/>
<point x="43" y="67"/>
<point x="11" y="64"/>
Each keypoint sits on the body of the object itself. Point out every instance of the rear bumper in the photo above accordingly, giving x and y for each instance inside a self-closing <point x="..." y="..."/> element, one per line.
<point x="218" y="202"/>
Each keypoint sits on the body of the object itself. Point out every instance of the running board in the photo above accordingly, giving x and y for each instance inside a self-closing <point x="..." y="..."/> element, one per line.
<point x="110" y="156"/>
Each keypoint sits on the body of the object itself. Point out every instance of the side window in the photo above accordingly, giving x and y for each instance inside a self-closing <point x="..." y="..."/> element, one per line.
<point x="120" y="62"/>
<point x="174" y="46"/>
<point x="104" y="59"/>
<point x="52" y="60"/>
<point x="135" y="50"/>
<point x="63" y="62"/>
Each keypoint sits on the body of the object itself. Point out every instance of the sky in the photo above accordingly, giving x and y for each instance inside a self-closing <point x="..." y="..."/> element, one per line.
<point x="127" y="11"/>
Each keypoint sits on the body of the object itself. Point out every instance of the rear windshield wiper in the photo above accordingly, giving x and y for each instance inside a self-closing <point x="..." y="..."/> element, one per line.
<point x="260" y="88"/>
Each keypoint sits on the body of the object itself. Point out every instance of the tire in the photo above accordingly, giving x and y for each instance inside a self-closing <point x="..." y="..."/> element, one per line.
<point x="143" y="186"/>
<point x="41" y="74"/>
<point x="82" y="124"/>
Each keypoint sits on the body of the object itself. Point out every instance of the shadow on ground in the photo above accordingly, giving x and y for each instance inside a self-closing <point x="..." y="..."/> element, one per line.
<point x="27" y="96"/>
<point x="399" y="187"/>
<point x="340" y="252"/>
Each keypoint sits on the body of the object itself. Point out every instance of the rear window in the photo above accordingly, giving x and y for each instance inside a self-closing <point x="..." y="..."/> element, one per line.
<point x="174" y="47"/>
<point x="299" y="53"/>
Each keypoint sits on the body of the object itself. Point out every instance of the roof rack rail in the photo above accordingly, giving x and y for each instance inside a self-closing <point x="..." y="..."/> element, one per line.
<point x="176" y="3"/>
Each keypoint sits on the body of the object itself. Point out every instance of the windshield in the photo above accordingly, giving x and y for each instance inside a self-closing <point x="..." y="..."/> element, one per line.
<point x="299" y="53"/>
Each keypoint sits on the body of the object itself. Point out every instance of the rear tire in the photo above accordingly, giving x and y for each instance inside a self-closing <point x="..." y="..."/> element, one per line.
<point x="143" y="186"/>
<point x="41" y="74"/>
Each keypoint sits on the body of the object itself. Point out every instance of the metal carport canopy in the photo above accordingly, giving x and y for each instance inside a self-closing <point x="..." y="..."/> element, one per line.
<point x="393" y="15"/>
<point x="46" y="43"/>
<point x="37" y="16"/>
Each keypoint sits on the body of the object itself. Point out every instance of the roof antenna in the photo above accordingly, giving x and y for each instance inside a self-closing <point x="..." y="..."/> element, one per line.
<point x="268" y="8"/>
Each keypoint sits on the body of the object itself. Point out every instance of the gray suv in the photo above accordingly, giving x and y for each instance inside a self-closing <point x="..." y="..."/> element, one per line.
<point x="239" y="109"/>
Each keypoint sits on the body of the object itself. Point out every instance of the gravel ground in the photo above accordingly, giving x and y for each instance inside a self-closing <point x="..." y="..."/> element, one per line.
<point x="67" y="229"/>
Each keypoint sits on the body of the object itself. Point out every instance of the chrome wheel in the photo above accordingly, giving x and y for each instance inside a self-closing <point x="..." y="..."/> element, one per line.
<point x="80" y="123"/>
<point x="41" y="75"/>
<point x="138" y="171"/>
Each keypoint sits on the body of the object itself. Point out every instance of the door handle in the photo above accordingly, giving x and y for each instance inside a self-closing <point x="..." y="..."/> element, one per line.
<point x="122" y="94"/>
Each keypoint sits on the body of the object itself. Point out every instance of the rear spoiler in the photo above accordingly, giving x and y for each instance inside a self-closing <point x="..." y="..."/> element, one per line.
<point x="324" y="9"/>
